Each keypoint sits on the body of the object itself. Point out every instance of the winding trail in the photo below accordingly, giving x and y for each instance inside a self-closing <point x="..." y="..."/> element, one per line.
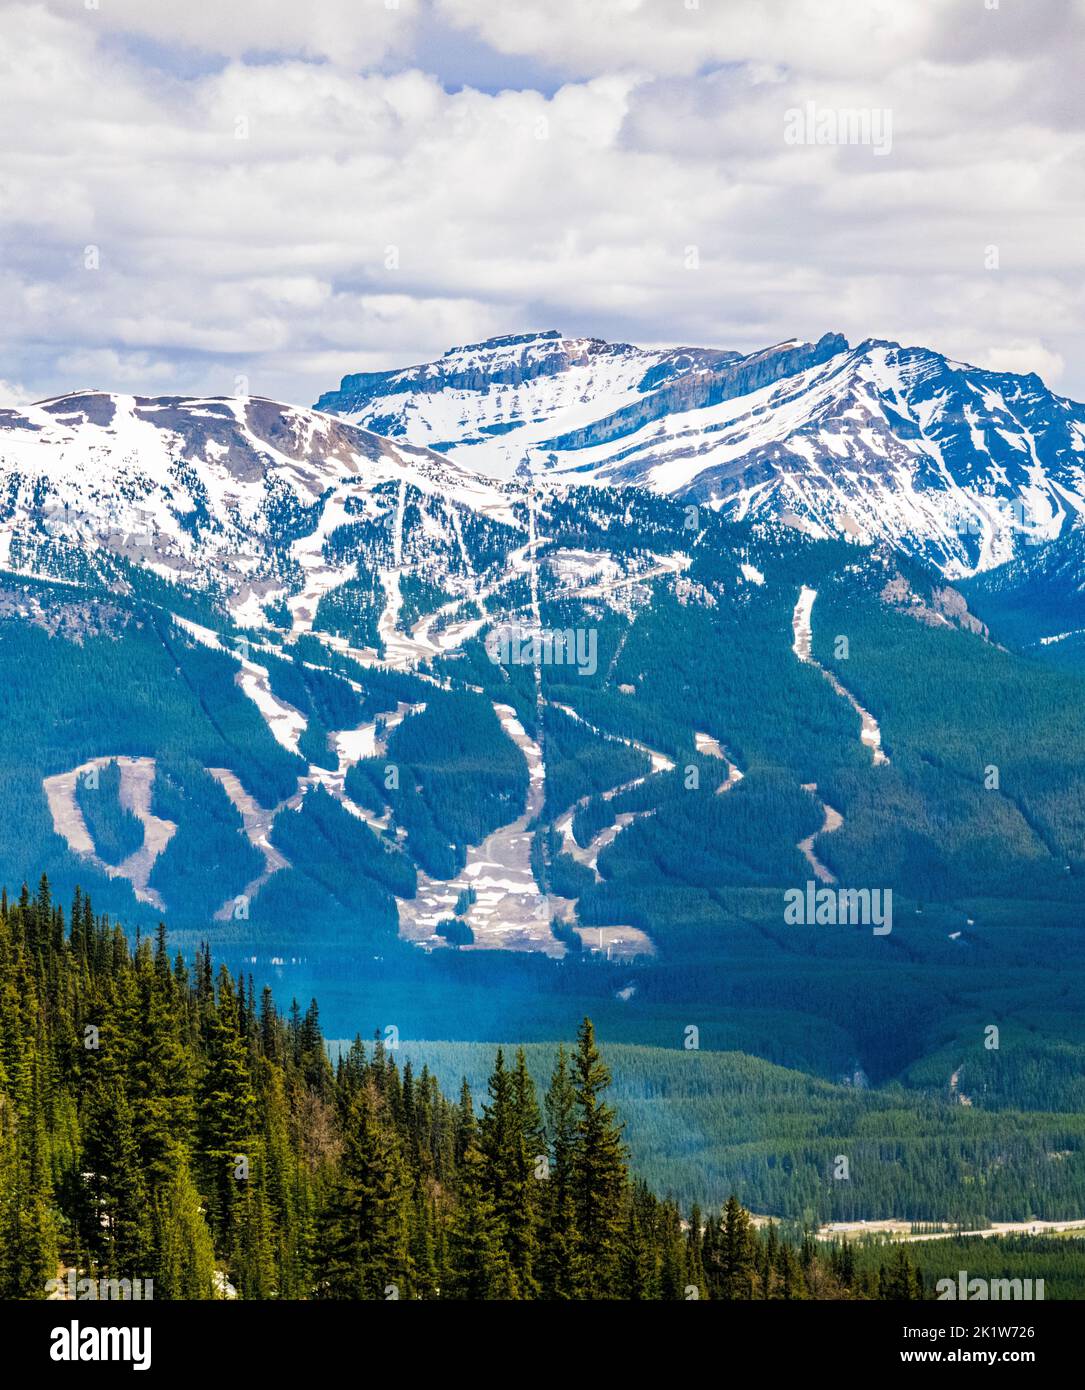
<point x="705" y="743"/>
<point x="870" y="734"/>
<point x="285" y="723"/>
<point x="833" y="821"/>
<point x="257" y="822"/>
<point x="660" y="761"/>
<point x="665" y="564"/>
<point x="351" y="746"/>
<point x="955" y="1090"/>
<point x="588" y="855"/>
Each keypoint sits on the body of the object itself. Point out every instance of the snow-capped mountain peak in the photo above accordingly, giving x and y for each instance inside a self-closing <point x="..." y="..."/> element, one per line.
<point x="876" y="441"/>
<point x="490" y="402"/>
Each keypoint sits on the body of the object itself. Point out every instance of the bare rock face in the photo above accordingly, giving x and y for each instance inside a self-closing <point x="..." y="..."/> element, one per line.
<point x="72" y="621"/>
<point x="513" y="361"/>
<point x="940" y="606"/>
<point x="702" y="387"/>
<point x="951" y="604"/>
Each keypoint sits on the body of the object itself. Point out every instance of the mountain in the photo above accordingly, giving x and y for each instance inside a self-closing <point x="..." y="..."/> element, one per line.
<point x="880" y="442"/>
<point x="240" y="495"/>
<point x="494" y="400"/>
<point x="473" y="755"/>
<point x="1036" y="602"/>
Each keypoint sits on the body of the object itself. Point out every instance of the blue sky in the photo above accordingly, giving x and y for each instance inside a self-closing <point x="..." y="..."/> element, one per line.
<point x="272" y="195"/>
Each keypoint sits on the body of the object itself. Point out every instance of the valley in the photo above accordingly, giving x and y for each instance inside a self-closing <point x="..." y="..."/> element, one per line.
<point x="318" y="764"/>
<point x="542" y="659"/>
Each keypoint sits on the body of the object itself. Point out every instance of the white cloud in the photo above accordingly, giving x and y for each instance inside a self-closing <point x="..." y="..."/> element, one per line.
<point x="679" y="37"/>
<point x="1025" y="357"/>
<point x="104" y="369"/>
<point x="295" y="219"/>
<point x="349" y="31"/>
<point x="11" y="394"/>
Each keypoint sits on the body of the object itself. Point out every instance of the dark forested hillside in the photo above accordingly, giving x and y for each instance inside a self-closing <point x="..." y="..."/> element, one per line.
<point x="160" y="1122"/>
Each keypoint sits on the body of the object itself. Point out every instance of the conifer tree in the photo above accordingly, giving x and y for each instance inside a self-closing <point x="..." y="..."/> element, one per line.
<point x="599" y="1171"/>
<point x="185" y="1260"/>
<point x="509" y="1140"/>
<point x="637" y="1269"/>
<point x="560" y="1263"/>
<point x="900" y="1283"/>
<point x="28" y="1235"/>
<point x="366" y="1250"/>
<point x="694" y="1250"/>
<point x="477" y="1262"/>
<point x="735" y="1254"/>
<point x="227" y="1106"/>
<point x="768" y="1251"/>
<point x="130" y="1090"/>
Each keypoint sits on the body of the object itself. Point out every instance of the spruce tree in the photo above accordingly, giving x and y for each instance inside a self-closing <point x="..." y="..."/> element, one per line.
<point x="509" y="1141"/>
<point x="560" y="1266"/>
<point x="185" y="1258"/>
<point x="478" y="1265"/>
<point x="366" y="1244"/>
<point x="735" y="1253"/>
<point x="226" y="1112"/>
<point x="599" y="1171"/>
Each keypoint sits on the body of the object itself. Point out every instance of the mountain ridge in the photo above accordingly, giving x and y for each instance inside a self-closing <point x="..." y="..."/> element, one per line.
<point x="955" y="463"/>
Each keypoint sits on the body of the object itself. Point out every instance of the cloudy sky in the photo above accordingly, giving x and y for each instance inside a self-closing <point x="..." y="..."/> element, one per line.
<point x="270" y="193"/>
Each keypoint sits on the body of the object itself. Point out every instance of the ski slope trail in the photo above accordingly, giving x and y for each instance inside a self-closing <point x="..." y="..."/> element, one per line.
<point x="870" y="733"/>
<point x="705" y="743"/>
<point x="136" y="784"/>
<point x="832" y="822"/>
<point x="508" y="912"/>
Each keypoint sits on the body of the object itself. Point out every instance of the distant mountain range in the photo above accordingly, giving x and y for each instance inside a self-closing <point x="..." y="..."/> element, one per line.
<point x="877" y="441"/>
<point x="964" y="468"/>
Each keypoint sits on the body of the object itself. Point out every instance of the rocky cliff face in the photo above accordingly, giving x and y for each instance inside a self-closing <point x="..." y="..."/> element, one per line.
<point x="516" y="360"/>
<point x="703" y="386"/>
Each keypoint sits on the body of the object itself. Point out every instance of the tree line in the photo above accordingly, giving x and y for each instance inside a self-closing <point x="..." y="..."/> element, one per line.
<point x="161" y="1121"/>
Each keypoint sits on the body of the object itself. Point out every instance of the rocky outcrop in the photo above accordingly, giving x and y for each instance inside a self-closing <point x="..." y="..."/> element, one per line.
<point x="702" y="387"/>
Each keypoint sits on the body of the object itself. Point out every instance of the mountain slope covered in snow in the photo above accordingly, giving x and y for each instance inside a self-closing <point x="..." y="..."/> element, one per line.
<point x="243" y="495"/>
<point x="877" y="441"/>
<point x="491" y="403"/>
